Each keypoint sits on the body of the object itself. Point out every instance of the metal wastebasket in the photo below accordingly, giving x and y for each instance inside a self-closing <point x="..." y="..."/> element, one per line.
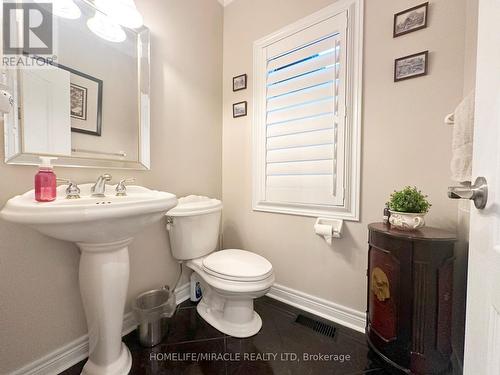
<point x="152" y="310"/>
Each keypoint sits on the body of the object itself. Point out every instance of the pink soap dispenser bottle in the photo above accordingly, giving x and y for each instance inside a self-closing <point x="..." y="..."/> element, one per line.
<point x="45" y="181"/>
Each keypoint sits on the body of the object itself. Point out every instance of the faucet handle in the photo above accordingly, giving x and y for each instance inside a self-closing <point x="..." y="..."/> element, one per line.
<point x="121" y="189"/>
<point x="72" y="191"/>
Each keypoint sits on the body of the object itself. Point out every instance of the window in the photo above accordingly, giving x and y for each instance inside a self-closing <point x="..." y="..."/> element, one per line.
<point x="307" y="104"/>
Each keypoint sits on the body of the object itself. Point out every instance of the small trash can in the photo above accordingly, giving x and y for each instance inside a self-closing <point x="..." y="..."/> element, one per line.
<point x="152" y="310"/>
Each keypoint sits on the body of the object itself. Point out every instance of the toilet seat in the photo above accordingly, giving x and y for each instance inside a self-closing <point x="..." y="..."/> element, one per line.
<point x="237" y="265"/>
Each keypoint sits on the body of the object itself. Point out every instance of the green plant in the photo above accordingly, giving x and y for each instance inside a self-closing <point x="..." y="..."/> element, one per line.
<point x="410" y="200"/>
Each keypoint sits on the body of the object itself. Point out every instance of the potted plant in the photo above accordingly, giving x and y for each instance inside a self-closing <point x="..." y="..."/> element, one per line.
<point x="408" y="208"/>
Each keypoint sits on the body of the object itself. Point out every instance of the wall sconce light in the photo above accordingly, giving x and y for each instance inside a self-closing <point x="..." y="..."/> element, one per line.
<point x="64" y="8"/>
<point x="123" y="12"/>
<point x="104" y="27"/>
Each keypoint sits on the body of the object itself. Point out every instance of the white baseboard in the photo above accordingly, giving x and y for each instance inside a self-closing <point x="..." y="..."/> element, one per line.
<point x="336" y="313"/>
<point x="77" y="350"/>
<point x="59" y="360"/>
<point x="182" y="293"/>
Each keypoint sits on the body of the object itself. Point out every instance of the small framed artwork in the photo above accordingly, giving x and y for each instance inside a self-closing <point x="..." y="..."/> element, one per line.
<point x="411" y="66"/>
<point x="85" y="101"/>
<point x="410" y="20"/>
<point x="239" y="109"/>
<point x="78" y="101"/>
<point x="240" y="82"/>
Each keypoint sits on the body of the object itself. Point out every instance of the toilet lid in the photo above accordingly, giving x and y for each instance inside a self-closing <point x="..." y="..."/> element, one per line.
<point x="193" y="205"/>
<point x="238" y="265"/>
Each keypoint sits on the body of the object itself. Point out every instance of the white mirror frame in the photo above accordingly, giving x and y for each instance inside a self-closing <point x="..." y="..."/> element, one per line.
<point x="14" y="153"/>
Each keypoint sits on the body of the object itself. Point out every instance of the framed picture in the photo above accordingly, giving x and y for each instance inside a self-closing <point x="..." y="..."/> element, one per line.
<point x="411" y="66"/>
<point x="410" y="20"/>
<point x="240" y="82"/>
<point x="78" y="98"/>
<point x="239" y="109"/>
<point x="85" y="101"/>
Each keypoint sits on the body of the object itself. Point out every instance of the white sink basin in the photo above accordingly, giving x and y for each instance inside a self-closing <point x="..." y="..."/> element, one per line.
<point x="102" y="228"/>
<point x="88" y="219"/>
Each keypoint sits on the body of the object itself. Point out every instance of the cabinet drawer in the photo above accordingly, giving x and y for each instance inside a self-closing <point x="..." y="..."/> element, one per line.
<point x="389" y="243"/>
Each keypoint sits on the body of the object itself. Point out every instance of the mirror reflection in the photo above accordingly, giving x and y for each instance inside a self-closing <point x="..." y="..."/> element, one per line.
<point x="90" y="106"/>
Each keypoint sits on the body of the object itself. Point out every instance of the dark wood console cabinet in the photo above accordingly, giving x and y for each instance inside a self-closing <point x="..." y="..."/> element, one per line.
<point x="410" y="284"/>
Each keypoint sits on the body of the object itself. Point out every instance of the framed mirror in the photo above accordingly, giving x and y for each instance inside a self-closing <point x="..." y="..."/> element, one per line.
<point x="90" y="105"/>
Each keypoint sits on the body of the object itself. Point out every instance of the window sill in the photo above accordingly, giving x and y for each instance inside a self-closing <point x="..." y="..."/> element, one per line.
<point x="307" y="210"/>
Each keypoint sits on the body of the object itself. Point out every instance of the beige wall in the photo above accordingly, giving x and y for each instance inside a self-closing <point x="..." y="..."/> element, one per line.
<point x="40" y="308"/>
<point x="404" y="141"/>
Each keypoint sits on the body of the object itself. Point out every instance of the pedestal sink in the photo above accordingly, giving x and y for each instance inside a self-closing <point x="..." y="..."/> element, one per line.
<point x="102" y="228"/>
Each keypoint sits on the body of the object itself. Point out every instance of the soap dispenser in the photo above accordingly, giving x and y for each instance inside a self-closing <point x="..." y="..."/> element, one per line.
<point x="45" y="181"/>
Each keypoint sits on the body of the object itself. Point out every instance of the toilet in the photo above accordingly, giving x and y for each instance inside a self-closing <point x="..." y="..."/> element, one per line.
<point x="230" y="279"/>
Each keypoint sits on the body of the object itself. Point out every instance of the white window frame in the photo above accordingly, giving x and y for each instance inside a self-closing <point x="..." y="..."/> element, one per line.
<point x="350" y="208"/>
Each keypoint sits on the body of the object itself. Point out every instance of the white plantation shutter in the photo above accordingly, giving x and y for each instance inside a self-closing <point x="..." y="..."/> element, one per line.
<point x="306" y="122"/>
<point x="305" y="108"/>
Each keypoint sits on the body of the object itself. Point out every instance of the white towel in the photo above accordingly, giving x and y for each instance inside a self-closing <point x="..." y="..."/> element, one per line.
<point x="463" y="136"/>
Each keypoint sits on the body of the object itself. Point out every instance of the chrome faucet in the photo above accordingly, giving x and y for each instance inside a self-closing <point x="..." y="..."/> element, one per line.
<point x="99" y="187"/>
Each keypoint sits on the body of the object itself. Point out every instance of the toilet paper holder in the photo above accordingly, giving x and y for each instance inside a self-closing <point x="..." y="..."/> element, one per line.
<point x="328" y="228"/>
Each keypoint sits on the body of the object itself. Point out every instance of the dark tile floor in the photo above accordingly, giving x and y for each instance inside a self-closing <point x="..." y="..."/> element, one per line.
<point x="279" y="348"/>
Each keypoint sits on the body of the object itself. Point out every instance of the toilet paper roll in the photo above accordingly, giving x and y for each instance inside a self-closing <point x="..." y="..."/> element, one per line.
<point x="323" y="230"/>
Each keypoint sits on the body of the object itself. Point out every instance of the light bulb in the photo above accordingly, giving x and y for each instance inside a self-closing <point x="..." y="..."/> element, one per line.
<point x="106" y="28"/>
<point x="64" y="8"/>
<point x="123" y="12"/>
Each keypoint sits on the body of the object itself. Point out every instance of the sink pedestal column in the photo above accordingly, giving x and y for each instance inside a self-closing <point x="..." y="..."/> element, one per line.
<point x="104" y="272"/>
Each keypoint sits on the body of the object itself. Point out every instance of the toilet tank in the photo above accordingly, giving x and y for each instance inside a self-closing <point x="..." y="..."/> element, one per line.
<point x="193" y="227"/>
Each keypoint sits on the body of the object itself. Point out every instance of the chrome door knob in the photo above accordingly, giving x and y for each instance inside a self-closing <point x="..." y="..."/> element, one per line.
<point x="477" y="192"/>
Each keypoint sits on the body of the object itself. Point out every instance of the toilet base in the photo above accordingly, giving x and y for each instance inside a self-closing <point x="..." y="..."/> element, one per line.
<point x="216" y="319"/>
